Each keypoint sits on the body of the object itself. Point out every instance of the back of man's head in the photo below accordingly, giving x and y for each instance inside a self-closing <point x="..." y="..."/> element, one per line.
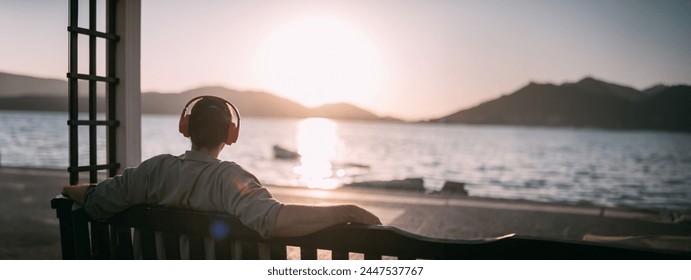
<point x="209" y="122"/>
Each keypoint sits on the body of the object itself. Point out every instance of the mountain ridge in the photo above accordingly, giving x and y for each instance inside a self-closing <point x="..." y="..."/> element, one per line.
<point x="19" y="92"/>
<point x="586" y="103"/>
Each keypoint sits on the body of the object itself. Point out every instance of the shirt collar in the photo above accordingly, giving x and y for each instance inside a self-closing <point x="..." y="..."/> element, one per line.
<point x="198" y="156"/>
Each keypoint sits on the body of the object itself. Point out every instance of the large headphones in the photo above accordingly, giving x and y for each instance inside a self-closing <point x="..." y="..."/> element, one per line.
<point x="233" y="130"/>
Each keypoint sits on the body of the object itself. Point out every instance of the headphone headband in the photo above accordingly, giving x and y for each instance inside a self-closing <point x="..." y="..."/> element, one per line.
<point x="233" y="129"/>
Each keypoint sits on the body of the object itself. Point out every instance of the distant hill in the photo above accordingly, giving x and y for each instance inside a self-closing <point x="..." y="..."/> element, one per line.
<point x="251" y="104"/>
<point x="26" y="93"/>
<point x="592" y="85"/>
<point x="12" y="85"/>
<point x="587" y="103"/>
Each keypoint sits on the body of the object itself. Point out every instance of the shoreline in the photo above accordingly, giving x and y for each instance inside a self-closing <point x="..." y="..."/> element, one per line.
<point x="675" y="214"/>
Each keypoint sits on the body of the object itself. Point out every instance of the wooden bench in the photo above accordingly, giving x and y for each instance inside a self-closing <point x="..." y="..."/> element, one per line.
<point x="222" y="236"/>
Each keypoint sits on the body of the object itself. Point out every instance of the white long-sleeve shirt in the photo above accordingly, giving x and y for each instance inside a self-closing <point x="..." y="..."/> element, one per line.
<point x="194" y="181"/>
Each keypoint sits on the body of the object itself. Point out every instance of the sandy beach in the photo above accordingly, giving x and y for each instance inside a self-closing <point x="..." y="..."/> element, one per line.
<point x="30" y="227"/>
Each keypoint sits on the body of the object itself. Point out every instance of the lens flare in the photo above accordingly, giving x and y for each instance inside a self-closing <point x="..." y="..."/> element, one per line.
<point x="219" y="230"/>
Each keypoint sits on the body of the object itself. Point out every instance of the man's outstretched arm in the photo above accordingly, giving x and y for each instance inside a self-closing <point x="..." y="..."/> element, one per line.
<point x="297" y="220"/>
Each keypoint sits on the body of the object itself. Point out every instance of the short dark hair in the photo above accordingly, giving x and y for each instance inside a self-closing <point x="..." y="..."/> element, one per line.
<point x="209" y="122"/>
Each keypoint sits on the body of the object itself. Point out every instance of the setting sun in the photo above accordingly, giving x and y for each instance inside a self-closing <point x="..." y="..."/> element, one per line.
<point x="319" y="60"/>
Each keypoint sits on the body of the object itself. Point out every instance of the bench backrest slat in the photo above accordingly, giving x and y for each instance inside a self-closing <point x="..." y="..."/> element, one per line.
<point x="278" y="251"/>
<point x="122" y="241"/>
<point x="147" y="243"/>
<point x="339" y="255"/>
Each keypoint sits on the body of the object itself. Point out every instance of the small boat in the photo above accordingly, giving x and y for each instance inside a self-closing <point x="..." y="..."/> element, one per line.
<point x="283" y="153"/>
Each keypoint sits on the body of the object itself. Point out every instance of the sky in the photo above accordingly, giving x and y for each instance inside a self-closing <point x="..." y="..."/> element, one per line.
<point x="406" y="59"/>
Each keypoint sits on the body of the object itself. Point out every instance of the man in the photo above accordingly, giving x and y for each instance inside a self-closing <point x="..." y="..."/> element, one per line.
<point x="198" y="180"/>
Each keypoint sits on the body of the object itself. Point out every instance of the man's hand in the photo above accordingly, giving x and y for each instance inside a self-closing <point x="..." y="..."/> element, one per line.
<point x="76" y="192"/>
<point x="359" y="215"/>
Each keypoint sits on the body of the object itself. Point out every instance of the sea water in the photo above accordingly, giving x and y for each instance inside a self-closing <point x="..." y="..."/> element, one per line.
<point x="640" y="169"/>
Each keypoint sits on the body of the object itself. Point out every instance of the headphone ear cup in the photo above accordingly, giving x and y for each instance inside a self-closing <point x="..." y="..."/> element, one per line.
<point x="184" y="125"/>
<point x="233" y="133"/>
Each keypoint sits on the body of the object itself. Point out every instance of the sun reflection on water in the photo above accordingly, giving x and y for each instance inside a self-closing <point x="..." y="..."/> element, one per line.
<point x="318" y="143"/>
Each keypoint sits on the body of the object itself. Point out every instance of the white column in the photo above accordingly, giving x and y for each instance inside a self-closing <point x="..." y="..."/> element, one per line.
<point x="128" y="94"/>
